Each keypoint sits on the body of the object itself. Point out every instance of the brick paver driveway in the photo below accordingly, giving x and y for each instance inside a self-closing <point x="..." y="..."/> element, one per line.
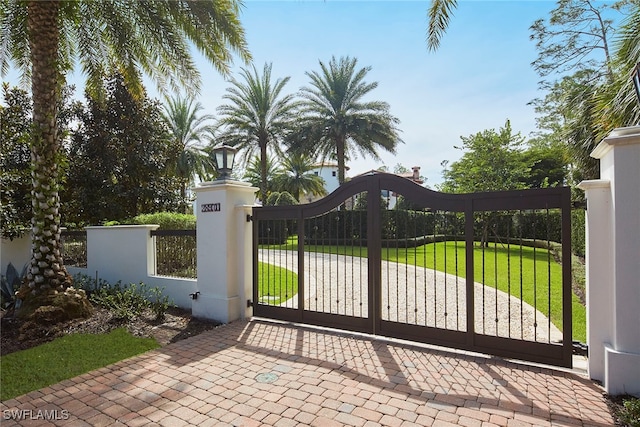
<point x="263" y="373"/>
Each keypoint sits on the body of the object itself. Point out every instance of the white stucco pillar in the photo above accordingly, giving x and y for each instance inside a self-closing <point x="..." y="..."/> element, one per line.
<point x="613" y="263"/>
<point x="224" y="250"/>
<point x="599" y="270"/>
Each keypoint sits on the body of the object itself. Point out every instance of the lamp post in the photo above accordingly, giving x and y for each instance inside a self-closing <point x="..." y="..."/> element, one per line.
<point x="224" y="156"/>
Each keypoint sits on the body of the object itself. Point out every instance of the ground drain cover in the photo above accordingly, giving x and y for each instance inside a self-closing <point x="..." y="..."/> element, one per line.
<point x="266" y="378"/>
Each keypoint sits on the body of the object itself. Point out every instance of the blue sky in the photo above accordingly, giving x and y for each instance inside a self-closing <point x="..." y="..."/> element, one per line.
<point x="480" y="76"/>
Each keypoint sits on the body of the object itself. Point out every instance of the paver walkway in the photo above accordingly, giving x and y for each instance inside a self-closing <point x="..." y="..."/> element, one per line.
<point x="262" y="373"/>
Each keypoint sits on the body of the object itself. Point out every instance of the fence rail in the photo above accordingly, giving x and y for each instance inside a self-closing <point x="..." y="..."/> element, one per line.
<point x="176" y="253"/>
<point x="74" y="248"/>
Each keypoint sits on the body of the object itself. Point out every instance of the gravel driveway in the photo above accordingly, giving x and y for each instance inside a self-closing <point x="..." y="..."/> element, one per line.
<point x="410" y="294"/>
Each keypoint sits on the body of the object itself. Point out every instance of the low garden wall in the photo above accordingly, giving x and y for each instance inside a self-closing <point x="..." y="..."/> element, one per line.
<point x="117" y="253"/>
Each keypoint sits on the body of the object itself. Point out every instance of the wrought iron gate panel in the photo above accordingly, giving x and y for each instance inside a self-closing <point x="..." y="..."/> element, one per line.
<point x="421" y="265"/>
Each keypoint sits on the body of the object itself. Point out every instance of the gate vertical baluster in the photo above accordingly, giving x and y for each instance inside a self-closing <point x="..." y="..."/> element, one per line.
<point x="469" y="269"/>
<point x="424" y="262"/>
<point x="337" y="273"/>
<point x="282" y="226"/>
<point x="446" y="306"/>
<point x="352" y="215"/>
<point x="455" y="242"/>
<point x="509" y="275"/>
<point x="535" y="284"/>
<point x="395" y="236"/>
<point x="549" y="279"/>
<point x="567" y="320"/>
<point x="329" y="258"/>
<point x="435" y="261"/>
<point x="482" y="243"/>
<point x="495" y="270"/>
<point x="301" y="264"/>
<point x="406" y="272"/>
<point x="416" y="215"/>
<point x="344" y="239"/>
<point x="521" y="280"/>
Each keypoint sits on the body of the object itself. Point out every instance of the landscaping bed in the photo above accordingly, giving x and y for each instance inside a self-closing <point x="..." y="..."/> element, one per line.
<point x="176" y="325"/>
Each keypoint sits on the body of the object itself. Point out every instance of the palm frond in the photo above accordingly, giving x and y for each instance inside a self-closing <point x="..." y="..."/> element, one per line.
<point x="439" y="14"/>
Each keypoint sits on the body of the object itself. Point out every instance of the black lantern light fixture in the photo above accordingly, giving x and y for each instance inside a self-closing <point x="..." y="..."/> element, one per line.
<point x="224" y="156"/>
<point x="636" y="80"/>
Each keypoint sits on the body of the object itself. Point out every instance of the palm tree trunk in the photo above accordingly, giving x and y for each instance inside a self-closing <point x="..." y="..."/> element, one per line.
<point x="263" y="172"/>
<point x="340" y="143"/>
<point x="47" y="270"/>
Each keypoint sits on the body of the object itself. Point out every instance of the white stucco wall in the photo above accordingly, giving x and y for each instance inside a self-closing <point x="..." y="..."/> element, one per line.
<point x="16" y="252"/>
<point x="123" y="253"/>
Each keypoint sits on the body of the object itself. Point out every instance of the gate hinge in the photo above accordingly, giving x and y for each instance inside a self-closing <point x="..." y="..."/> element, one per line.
<point x="249" y="303"/>
<point x="249" y="218"/>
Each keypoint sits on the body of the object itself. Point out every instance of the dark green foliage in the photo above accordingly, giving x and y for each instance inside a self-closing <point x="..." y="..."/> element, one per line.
<point x="128" y="302"/>
<point x="15" y="178"/>
<point x="492" y="161"/>
<point x="336" y="122"/>
<point x="406" y="228"/>
<point x="167" y="220"/>
<point x="88" y="284"/>
<point x="578" y="233"/>
<point x="276" y="232"/>
<point x="630" y="412"/>
<point x="548" y="166"/>
<point x="9" y="284"/>
<point x="118" y="158"/>
<point x="295" y="177"/>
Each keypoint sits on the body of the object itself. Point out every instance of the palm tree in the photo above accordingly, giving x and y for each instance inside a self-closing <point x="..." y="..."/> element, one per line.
<point x="44" y="38"/>
<point x="253" y="173"/>
<point x="618" y="105"/>
<point x="336" y="122"/>
<point x="188" y="130"/>
<point x="296" y="178"/>
<point x="257" y="116"/>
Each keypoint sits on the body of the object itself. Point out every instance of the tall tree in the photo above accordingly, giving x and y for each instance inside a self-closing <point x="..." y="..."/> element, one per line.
<point x="336" y="122"/>
<point x="15" y="132"/>
<point x="296" y="177"/>
<point x="492" y="161"/>
<point x="253" y="173"/>
<point x="617" y="105"/>
<point x="117" y="159"/>
<point x="44" y="38"/>
<point x="188" y="130"/>
<point x="257" y="117"/>
<point x="575" y="36"/>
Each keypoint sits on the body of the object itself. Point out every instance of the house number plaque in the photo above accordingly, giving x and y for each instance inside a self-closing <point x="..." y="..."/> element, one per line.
<point x="210" y="207"/>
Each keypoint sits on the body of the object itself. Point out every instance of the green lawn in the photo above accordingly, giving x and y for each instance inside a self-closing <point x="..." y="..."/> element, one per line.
<point x="275" y="284"/>
<point x="66" y="357"/>
<point x="495" y="266"/>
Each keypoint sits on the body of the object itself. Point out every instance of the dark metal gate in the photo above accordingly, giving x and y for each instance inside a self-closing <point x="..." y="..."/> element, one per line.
<point x="486" y="272"/>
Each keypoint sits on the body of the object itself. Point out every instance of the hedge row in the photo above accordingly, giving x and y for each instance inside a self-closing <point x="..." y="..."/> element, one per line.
<point x="351" y="226"/>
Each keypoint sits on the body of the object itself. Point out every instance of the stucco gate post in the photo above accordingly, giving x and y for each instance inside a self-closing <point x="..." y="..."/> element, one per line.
<point x="613" y="263"/>
<point x="224" y="243"/>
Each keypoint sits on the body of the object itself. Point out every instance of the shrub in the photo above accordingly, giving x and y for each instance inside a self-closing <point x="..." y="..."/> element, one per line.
<point x="88" y="283"/>
<point x="630" y="412"/>
<point x="129" y="302"/>
<point x="167" y="220"/>
<point x="9" y="284"/>
<point x="578" y="232"/>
